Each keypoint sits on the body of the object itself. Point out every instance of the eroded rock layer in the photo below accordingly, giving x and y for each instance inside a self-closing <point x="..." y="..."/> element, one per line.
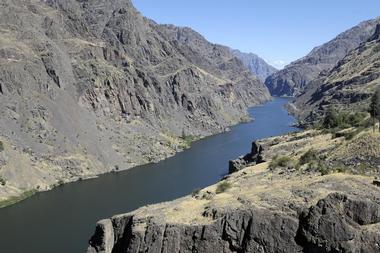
<point x="88" y="87"/>
<point x="295" y="77"/>
<point x="264" y="207"/>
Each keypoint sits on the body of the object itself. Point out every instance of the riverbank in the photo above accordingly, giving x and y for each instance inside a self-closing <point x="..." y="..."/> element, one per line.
<point x="47" y="174"/>
<point x="47" y="221"/>
<point x="284" y="196"/>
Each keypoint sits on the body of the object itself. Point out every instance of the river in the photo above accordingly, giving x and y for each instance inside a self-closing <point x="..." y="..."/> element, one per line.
<point x="62" y="220"/>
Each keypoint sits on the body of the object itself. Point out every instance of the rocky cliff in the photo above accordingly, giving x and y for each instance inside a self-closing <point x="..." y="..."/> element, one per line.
<point x="292" y="80"/>
<point x="88" y="87"/>
<point x="269" y="207"/>
<point x="346" y="87"/>
<point x="255" y="64"/>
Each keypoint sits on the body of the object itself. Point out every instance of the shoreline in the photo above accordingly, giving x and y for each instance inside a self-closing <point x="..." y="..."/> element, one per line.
<point x="14" y="199"/>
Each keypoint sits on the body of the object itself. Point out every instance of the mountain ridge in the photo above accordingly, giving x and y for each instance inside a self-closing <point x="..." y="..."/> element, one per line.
<point x="258" y="66"/>
<point x="90" y="87"/>
<point x="292" y="80"/>
<point x="309" y="191"/>
<point x="348" y="86"/>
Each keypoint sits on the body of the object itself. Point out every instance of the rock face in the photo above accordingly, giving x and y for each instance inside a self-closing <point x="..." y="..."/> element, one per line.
<point x="347" y="86"/>
<point x="254" y="157"/>
<point x="265" y="209"/>
<point x="255" y="64"/>
<point x="87" y="87"/>
<point x="292" y="80"/>
<point x="250" y="230"/>
<point x="336" y="224"/>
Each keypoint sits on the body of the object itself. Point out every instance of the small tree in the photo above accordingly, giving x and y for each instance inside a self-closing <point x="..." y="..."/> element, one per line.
<point x="374" y="108"/>
<point x="331" y="119"/>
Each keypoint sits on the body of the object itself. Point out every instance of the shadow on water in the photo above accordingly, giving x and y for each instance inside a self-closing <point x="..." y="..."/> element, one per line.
<point x="62" y="220"/>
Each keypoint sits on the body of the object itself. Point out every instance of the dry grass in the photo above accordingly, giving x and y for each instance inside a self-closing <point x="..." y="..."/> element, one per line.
<point x="273" y="190"/>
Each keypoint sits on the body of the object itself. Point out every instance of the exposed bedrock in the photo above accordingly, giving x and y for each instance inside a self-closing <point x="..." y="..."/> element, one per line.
<point x="337" y="223"/>
<point x="254" y="157"/>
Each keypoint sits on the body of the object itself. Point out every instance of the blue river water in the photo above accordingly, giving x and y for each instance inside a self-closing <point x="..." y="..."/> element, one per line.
<point x="62" y="220"/>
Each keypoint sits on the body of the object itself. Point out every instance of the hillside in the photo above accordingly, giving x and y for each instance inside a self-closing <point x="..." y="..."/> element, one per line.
<point x="255" y="64"/>
<point x="88" y="87"/>
<point x="269" y="207"/>
<point x="347" y="87"/>
<point x="316" y="190"/>
<point x="292" y="80"/>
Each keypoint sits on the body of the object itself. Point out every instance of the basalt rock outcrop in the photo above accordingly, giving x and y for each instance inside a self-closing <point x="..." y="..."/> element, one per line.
<point x="340" y="224"/>
<point x="251" y="230"/>
<point x="294" y="78"/>
<point x="254" y="157"/>
<point x="337" y="223"/>
<point x="87" y="87"/>
<point x="265" y="208"/>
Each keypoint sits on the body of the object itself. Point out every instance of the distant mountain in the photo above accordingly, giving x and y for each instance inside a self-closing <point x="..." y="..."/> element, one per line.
<point x="293" y="79"/>
<point x="348" y="86"/>
<point x="258" y="66"/>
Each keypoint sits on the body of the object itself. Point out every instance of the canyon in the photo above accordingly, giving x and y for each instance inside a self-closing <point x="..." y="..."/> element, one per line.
<point x="90" y="87"/>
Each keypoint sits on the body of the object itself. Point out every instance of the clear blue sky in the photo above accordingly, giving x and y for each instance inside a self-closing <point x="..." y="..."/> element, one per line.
<point x="277" y="30"/>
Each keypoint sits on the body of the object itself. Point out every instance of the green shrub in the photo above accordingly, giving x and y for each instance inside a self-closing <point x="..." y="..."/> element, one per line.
<point x="310" y="155"/>
<point x="188" y="140"/>
<point x="341" y="169"/>
<point x="357" y="119"/>
<point x="280" y="161"/>
<point x="362" y="168"/>
<point x="297" y="166"/>
<point x="222" y="187"/>
<point x="350" y="135"/>
<point x="195" y="192"/>
<point x="342" y="120"/>
<point x="3" y="182"/>
<point x="323" y="169"/>
<point x="1" y="146"/>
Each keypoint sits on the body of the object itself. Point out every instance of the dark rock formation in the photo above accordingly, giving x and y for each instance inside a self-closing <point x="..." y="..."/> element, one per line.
<point x="262" y="210"/>
<point x="296" y="76"/>
<point x="255" y="64"/>
<point x="336" y="224"/>
<point x="251" y="230"/>
<point x="254" y="157"/>
<point x="376" y="35"/>
<point x="96" y="82"/>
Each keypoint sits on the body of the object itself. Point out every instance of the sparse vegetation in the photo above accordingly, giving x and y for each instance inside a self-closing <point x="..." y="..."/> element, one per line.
<point x="280" y="161"/>
<point x="187" y="140"/>
<point x="195" y="192"/>
<point x="222" y="187"/>
<point x="314" y="161"/>
<point x="15" y="199"/>
<point x="323" y="169"/>
<point x="374" y="108"/>
<point x="340" y="167"/>
<point x="309" y="156"/>
<point x="1" y="146"/>
<point x="3" y="182"/>
<point x="362" y="169"/>
<point x="341" y="120"/>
